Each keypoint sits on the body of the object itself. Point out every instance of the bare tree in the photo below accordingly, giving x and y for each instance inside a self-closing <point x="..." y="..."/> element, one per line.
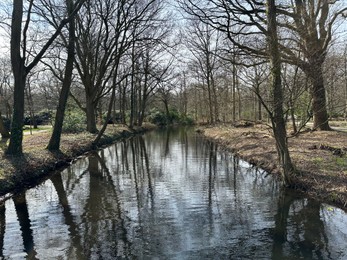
<point x="278" y="122"/>
<point x="54" y="142"/>
<point x="252" y="20"/>
<point x="311" y="25"/>
<point x="306" y="27"/>
<point x="23" y="63"/>
<point x="202" y="41"/>
<point x="5" y="76"/>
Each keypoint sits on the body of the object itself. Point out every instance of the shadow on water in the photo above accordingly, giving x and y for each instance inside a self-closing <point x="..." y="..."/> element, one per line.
<point x="299" y="229"/>
<point x="171" y="194"/>
<point x="21" y="207"/>
<point x="68" y="217"/>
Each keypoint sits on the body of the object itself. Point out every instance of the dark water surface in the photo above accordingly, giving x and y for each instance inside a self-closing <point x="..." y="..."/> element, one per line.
<point x="169" y="194"/>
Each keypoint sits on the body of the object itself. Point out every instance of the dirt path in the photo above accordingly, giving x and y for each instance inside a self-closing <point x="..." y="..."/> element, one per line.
<point x="320" y="157"/>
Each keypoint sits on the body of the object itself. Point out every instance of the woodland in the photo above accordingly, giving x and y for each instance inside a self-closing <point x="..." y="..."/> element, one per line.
<point x="77" y="66"/>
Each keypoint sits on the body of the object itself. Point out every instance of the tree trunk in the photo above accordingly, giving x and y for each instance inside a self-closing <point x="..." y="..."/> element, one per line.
<point x="278" y="123"/>
<point x="54" y="142"/>
<point x="234" y="93"/>
<point x="319" y="108"/>
<point x="91" y="120"/>
<point x="292" y="115"/>
<point x="215" y="101"/>
<point x="19" y="73"/>
<point x="108" y="115"/>
<point x="210" y="102"/>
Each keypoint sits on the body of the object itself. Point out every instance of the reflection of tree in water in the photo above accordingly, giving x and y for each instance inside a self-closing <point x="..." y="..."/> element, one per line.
<point x="299" y="229"/>
<point x="103" y="226"/>
<point x="21" y="207"/>
<point x="309" y="231"/>
<point x="76" y="249"/>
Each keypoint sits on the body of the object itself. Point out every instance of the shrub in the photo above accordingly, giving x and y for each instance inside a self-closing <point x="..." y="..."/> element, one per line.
<point x="74" y="121"/>
<point x="41" y="118"/>
<point x="174" y="117"/>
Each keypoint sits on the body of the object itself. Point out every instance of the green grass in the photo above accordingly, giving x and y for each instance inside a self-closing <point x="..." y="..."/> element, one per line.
<point x="341" y="161"/>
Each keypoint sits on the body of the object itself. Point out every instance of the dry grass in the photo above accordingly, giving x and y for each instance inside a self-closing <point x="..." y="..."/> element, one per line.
<point x="322" y="172"/>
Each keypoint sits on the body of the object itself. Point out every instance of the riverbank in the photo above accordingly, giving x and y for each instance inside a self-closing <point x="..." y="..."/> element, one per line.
<point x="320" y="157"/>
<point x="37" y="163"/>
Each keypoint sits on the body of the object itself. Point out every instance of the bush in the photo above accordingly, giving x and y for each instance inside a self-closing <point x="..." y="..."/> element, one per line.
<point x="160" y="118"/>
<point x="74" y="121"/>
<point x="41" y="118"/>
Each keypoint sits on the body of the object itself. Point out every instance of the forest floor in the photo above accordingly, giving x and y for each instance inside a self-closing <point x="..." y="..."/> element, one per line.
<point x="18" y="173"/>
<point x="320" y="157"/>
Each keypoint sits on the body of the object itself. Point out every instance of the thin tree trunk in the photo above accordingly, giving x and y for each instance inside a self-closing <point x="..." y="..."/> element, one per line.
<point x="108" y="116"/>
<point x="278" y="123"/>
<point x="234" y="93"/>
<point x="54" y="142"/>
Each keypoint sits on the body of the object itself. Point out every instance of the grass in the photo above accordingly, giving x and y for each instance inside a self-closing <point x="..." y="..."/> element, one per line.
<point x="341" y="161"/>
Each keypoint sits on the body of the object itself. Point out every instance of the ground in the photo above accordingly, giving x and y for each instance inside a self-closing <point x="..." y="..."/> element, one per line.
<point x="319" y="156"/>
<point x="18" y="173"/>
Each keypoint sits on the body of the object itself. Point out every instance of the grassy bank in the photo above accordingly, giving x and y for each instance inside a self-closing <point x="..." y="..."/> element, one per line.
<point x="37" y="163"/>
<point x="320" y="157"/>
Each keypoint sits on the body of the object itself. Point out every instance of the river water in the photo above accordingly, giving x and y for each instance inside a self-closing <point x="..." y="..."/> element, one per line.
<point x="169" y="194"/>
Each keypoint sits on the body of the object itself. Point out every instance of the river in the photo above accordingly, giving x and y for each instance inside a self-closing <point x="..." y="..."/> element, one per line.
<point x="169" y="194"/>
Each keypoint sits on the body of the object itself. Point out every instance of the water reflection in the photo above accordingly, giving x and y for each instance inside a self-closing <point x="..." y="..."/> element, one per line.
<point x="168" y="194"/>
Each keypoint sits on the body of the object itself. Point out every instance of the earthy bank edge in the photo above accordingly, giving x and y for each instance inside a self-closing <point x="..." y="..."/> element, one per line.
<point x="320" y="157"/>
<point x="37" y="163"/>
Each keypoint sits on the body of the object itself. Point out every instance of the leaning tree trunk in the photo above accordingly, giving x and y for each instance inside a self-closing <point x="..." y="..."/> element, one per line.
<point x="278" y="123"/>
<point x="54" y="142"/>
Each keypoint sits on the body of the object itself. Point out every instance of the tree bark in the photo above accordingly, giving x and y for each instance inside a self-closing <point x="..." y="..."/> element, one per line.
<point x="319" y="108"/>
<point x="19" y="72"/>
<point x="91" y="120"/>
<point x="54" y="142"/>
<point x="278" y="123"/>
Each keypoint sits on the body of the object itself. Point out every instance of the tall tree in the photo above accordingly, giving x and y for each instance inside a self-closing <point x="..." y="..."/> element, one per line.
<point x="203" y="43"/>
<point x="305" y="29"/>
<point x="277" y="118"/>
<point x="105" y="31"/>
<point x="22" y="65"/>
<point x="256" y="22"/>
<point x="54" y="142"/>
<point x="311" y="24"/>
